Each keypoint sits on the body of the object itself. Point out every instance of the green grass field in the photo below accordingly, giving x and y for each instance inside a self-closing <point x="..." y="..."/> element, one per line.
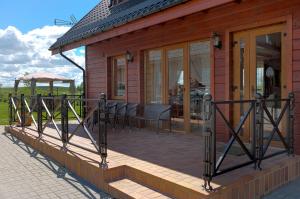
<point x="4" y="92"/>
<point x="4" y="113"/>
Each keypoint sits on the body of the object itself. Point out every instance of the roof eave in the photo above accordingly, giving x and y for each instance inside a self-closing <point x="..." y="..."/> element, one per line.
<point x="187" y="8"/>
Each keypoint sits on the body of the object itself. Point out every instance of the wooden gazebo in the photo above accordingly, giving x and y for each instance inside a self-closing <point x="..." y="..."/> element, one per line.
<point x="44" y="77"/>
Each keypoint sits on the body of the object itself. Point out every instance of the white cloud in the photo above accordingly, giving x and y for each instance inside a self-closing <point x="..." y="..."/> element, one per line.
<point x="28" y="52"/>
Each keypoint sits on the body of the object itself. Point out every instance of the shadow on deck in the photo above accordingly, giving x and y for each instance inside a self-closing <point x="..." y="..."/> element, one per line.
<point x="170" y="164"/>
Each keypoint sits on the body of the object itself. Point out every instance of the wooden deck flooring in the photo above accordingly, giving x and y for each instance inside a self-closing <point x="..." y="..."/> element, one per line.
<point x="165" y="164"/>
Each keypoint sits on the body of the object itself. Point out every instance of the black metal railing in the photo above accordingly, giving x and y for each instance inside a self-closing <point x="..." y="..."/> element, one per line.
<point x="57" y="111"/>
<point x="257" y="115"/>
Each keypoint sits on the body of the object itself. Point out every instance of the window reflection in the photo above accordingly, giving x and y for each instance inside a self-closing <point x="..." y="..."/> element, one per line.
<point x="268" y="65"/>
<point x="119" y="68"/>
<point x="176" y="81"/>
<point x="153" y="77"/>
<point x="199" y="78"/>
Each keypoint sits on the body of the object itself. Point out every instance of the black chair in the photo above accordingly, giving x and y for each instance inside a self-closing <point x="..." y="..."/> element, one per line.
<point x="112" y="110"/>
<point x="111" y="107"/>
<point x="131" y="113"/>
<point x="156" y="113"/>
<point x="120" y="116"/>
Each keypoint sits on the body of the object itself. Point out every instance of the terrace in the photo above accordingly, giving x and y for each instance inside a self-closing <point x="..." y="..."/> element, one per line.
<point x="131" y="162"/>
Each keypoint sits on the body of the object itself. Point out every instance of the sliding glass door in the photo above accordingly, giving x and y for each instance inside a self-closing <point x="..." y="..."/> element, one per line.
<point x="175" y="65"/>
<point x="258" y="66"/>
<point x="154" y="78"/>
<point x="179" y="75"/>
<point x="199" y="68"/>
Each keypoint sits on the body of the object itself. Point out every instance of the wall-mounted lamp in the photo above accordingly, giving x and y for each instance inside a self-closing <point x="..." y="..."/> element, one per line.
<point x="217" y="40"/>
<point x="129" y="56"/>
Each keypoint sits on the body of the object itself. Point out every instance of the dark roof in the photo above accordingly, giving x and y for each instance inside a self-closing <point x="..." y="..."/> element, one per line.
<point x="102" y="18"/>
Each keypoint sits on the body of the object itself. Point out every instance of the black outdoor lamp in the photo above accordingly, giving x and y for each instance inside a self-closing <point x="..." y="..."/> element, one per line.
<point x="129" y="56"/>
<point x="217" y="40"/>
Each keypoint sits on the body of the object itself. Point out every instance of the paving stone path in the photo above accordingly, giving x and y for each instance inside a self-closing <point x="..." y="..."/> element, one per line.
<point x="25" y="173"/>
<point x="289" y="191"/>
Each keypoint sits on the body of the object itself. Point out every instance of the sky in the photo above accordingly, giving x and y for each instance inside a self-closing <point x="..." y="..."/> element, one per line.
<point x="27" y="30"/>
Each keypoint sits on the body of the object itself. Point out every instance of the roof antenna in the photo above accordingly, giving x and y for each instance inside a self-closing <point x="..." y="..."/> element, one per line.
<point x="61" y="22"/>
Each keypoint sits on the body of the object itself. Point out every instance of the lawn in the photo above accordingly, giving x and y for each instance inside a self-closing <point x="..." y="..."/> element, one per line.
<point x="4" y="92"/>
<point x="4" y="113"/>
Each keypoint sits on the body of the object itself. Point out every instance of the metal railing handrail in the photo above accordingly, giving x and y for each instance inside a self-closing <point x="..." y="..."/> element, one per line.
<point x="63" y="105"/>
<point x="256" y="110"/>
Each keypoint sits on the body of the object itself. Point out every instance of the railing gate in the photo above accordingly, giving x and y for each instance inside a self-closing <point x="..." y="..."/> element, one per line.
<point x="260" y="113"/>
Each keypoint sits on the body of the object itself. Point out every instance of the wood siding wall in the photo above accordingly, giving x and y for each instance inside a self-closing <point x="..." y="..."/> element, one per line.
<point x="197" y="27"/>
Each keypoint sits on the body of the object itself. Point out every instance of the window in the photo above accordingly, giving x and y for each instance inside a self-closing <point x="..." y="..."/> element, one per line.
<point x="200" y="67"/>
<point x="199" y="63"/>
<point x="118" y="77"/>
<point x="154" y="77"/>
<point x="180" y="76"/>
<point x="162" y="63"/>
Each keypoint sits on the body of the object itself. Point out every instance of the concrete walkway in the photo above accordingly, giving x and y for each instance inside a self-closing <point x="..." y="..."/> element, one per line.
<point x="289" y="191"/>
<point x="24" y="173"/>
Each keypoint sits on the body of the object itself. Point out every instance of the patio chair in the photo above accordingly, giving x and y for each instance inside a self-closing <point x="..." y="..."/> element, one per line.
<point x="112" y="110"/>
<point x="111" y="107"/>
<point x="131" y="113"/>
<point x="156" y="113"/>
<point x="121" y="113"/>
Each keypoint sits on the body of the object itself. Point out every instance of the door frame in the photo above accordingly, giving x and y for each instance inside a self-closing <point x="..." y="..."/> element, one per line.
<point x="288" y="20"/>
<point x="250" y="67"/>
<point x="186" y="68"/>
<point x="236" y="80"/>
<point x="186" y="102"/>
<point x="112" y="70"/>
<point x="266" y="30"/>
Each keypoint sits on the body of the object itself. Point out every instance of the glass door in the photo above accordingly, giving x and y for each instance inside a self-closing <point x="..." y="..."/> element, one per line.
<point x="179" y="75"/>
<point x="199" y="80"/>
<point x="241" y="79"/>
<point x="268" y="75"/>
<point x="257" y="68"/>
<point x="176" y="81"/>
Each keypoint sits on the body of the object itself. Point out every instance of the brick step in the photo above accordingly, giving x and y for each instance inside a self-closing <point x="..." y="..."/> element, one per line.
<point x="167" y="186"/>
<point x="128" y="189"/>
<point x="120" y="178"/>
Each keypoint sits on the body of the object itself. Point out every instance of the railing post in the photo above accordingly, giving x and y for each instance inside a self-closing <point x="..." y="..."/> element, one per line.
<point x="50" y="104"/>
<point x="259" y="129"/>
<point x="253" y="133"/>
<point x="209" y="141"/>
<point x="80" y="105"/>
<point x="10" y="109"/>
<point x="84" y="105"/>
<point x="102" y="128"/>
<point x="64" y="120"/>
<point x="290" y="124"/>
<point x="39" y="114"/>
<point x="23" y="116"/>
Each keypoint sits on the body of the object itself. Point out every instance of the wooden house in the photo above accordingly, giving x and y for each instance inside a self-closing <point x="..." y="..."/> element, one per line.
<point x="176" y="51"/>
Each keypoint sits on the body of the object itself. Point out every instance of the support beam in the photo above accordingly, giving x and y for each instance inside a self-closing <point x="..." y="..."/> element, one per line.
<point x="51" y="87"/>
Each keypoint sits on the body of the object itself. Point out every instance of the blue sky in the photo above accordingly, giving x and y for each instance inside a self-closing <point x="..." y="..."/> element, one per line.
<point x="30" y="14"/>
<point x="27" y="30"/>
